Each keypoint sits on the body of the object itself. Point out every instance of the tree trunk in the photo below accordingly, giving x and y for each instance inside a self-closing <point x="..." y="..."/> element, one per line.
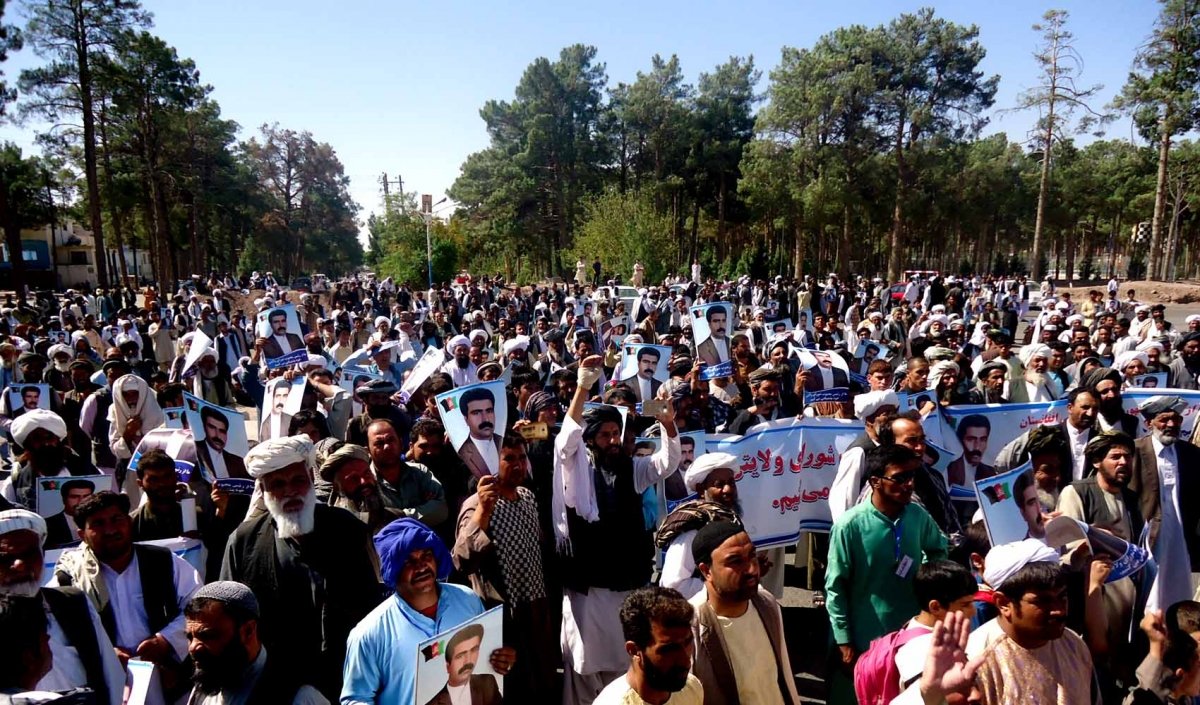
<point x="82" y="50"/>
<point x="1035" y="264"/>
<point x="12" y="238"/>
<point x="1153" y="258"/>
<point x="113" y="213"/>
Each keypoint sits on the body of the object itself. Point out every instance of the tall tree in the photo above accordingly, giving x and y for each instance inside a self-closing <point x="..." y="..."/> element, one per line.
<point x="1056" y="98"/>
<point x="928" y="84"/>
<point x="1162" y="96"/>
<point x="71" y="34"/>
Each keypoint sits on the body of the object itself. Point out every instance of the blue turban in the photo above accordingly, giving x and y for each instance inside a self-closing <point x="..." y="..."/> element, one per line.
<point x="396" y="541"/>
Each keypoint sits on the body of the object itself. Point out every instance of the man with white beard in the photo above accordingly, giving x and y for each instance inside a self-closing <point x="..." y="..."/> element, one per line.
<point x="313" y="560"/>
<point x="83" y="653"/>
<point x="1036" y="385"/>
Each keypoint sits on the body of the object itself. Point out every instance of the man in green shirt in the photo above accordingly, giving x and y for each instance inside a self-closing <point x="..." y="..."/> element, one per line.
<point x="875" y="549"/>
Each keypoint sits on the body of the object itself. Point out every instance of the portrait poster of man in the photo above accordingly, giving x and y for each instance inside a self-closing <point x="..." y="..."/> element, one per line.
<point x="613" y="331"/>
<point x="353" y="377"/>
<point x="475" y="417"/>
<point x="1010" y="507"/>
<point x="783" y="326"/>
<point x="27" y="397"/>
<point x="1154" y="380"/>
<point x="644" y="369"/>
<point x="868" y="351"/>
<point x="295" y="396"/>
<point x="275" y="419"/>
<point x="220" y="436"/>
<point x="280" y="327"/>
<point x="711" y="326"/>
<point x="826" y="370"/>
<point x="175" y="442"/>
<point x="57" y="498"/>
<point x="454" y="666"/>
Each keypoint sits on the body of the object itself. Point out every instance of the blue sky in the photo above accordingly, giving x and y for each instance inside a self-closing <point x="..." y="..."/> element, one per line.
<point x="397" y="86"/>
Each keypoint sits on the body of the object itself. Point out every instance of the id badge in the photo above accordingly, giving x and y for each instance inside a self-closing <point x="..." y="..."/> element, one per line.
<point x="904" y="566"/>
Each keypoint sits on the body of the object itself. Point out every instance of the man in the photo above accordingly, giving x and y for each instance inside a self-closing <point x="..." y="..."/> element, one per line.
<point x="875" y="549"/>
<point x="83" y="654"/>
<point x="644" y="385"/>
<point x="824" y="375"/>
<point x="160" y="516"/>
<point x="460" y="368"/>
<point x="741" y="655"/>
<point x="657" y="625"/>
<point x="41" y="435"/>
<point x="462" y="653"/>
<point x="382" y="649"/>
<point x="873" y="409"/>
<point x="280" y="341"/>
<point x="1166" y="482"/>
<point x="30" y="398"/>
<point x="376" y="396"/>
<point x="973" y="432"/>
<point x="1073" y="434"/>
<point x="765" y="384"/>
<point x="210" y="452"/>
<point x="929" y="486"/>
<point x="409" y="489"/>
<point x="312" y="559"/>
<point x="61" y="529"/>
<point x="231" y="664"/>
<point x="1035" y="384"/>
<point x="1029" y="656"/>
<point x="715" y="349"/>
<point x="611" y="547"/>
<point x="347" y="470"/>
<point x="480" y="452"/>
<point x="1185" y="369"/>
<point x="1105" y="383"/>
<point x="138" y="590"/>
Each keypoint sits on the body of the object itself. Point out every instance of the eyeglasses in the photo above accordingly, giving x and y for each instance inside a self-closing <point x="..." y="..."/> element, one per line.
<point x="902" y="478"/>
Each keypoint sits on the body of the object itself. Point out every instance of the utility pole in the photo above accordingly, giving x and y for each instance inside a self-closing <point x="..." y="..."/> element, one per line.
<point x="387" y="201"/>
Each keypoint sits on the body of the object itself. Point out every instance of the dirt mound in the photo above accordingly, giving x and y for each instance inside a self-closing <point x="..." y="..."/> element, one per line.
<point x="1177" y="292"/>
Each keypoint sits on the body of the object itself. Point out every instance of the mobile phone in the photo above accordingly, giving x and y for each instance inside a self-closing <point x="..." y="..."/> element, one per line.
<point x="535" y="432"/>
<point x="653" y="407"/>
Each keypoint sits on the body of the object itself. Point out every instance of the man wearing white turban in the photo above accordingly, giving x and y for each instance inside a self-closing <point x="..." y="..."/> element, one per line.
<point x="41" y="435"/>
<point x="1036" y="385"/>
<point x="873" y="409"/>
<point x="313" y="560"/>
<point x="461" y="370"/>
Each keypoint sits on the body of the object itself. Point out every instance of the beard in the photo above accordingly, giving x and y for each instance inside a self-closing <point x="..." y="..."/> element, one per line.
<point x="361" y="505"/>
<point x="213" y="673"/>
<point x="294" y="523"/>
<point x="47" y="459"/>
<point x="26" y="588"/>
<point x="1165" y="438"/>
<point x="663" y="680"/>
<point x="1036" y="378"/>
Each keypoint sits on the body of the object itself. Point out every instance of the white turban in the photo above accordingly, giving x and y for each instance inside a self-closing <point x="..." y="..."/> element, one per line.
<point x="1192" y="318"/>
<point x="459" y="340"/>
<point x="279" y="453"/>
<point x="1062" y="306"/>
<point x="1142" y="308"/>
<point x="520" y="342"/>
<point x="22" y="520"/>
<point x="478" y="335"/>
<point x="382" y="321"/>
<point x="703" y="466"/>
<point x="875" y="315"/>
<point x="317" y="361"/>
<point x="25" y="424"/>
<point x="1149" y="344"/>
<point x="1127" y="357"/>
<point x="869" y="403"/>
<point x="1007" y="559"/>
<point x="1031" y="351"/>
<point x="56" y="349"/>
<point x="938" y="370"/>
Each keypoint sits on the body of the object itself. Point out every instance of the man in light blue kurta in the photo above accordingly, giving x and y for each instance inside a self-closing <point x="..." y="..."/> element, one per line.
<point x="381" y="656"/>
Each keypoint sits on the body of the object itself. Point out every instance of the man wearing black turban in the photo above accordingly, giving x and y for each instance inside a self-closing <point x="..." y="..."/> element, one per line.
<point x="1185" y="369"/>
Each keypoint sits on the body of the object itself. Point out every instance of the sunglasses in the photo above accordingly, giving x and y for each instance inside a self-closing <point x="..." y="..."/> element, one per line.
<point x="902" y="478"/>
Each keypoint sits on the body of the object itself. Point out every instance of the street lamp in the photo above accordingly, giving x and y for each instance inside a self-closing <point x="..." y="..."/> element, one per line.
<point x="427" y="206"/>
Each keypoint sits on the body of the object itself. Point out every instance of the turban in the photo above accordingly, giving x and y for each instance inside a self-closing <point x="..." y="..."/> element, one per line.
<point x="1006" y="560"/>
<point x="1194" y="318"/>
<point x="22" y="520"/>
<point x="678" y="389"/>
<point x="710" y="537"/>
<point x="1029" y="352"/>
<point x="1100" y="444"/>
<point x="703" y="466"/>
<point x="938" y="370"/>
<point x="1143" y="308"/>
<point x="1074" y="318"/>
<point x="869" y="403"/>
<point x="538" y="401"/>
<point x="396" y="541"/>
<point x="937" y="352"/>
<point x="478" y="336"/>
<point x="459" y="340"/>
<point x="993" y="365"/>
<point x="1063" y="305"/>
<point x="1148" y="344"/>
<point x="331" y="461"/>
<point x="520" y="342"/>
<point x="229" y="592"/>
<point x="279" y="453"/>
<point x="596" y="416"/>
<point x="875" y="315"/>
<point x="939" y="318"/>
<point x="58" y="348"/>
<point x="1129" y="356"/>
<point x="1161" y="404"/>
<point x="1098" y="375"/>
<point x="317" y="361"/>
<point x="382" y="321"/>
<point x="27" y="422"/>
<point x="1046" y="439"/>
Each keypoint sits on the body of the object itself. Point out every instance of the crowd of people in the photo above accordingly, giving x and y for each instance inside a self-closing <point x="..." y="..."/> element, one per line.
<point x="376" y="507"/>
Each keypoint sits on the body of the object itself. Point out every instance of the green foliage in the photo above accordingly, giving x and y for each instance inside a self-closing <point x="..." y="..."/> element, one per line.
<point x="398" y="250"/>
<point x="624" y="228"/>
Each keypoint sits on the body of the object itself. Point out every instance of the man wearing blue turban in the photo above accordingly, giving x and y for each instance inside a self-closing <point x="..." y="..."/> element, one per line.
<point x="382" y="650"/>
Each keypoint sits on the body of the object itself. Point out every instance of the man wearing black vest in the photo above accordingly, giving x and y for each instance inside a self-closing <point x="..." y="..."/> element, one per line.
<point x="83" y="653"/>
<point x="598" y="524"/>
<point x="139" y="590"/>
<point x="93" y="418"/>
<point x="232" y="665"/>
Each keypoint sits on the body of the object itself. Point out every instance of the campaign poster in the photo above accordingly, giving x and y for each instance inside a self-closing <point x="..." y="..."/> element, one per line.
<point x="982" y="430"/>
<point x="826" y="369"/>
<point x="644" y="369"/>
<point x="220" y="435"/>
<point x="27" y="397"/>
<point x="868" y="351"/>
<point x="279" y="327"/>
<point x="431" y="360"/>
<point x="781" y="327"/>
<point x="196" y="347"/>
<point x="613" y="331"/>
<point x="57" y="499"/>
<point x="1155" y="380"/>
<point x="459" y="660"/>
<point x="712" y="325"/>
<point x="295" y="398"/>
<point x="174" y="417"/>
<point x="175" y="442"/>
<point x="1133" y="398"/>
<point x="1010" y="508"/>
<point x="475" y="417"/>
<point x="275" y="420"/>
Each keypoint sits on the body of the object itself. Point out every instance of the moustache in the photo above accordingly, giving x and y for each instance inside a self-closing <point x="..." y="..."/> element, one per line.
<point x="485" y="426"/>
<point x="468" y="668"/>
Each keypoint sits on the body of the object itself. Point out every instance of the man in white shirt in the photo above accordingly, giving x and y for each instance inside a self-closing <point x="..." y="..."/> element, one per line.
<point x="1080" y="426"/>
<point x="657" y="625"/>
<point x="874" y="409"/>
<point x="461" y="370"/>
